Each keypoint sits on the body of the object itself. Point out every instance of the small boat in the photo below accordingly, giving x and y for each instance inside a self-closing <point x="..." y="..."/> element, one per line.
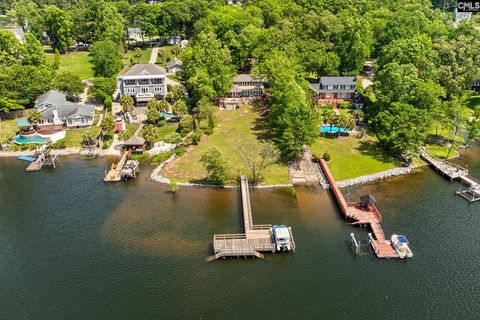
<point x="130" y="169"/>
<point x="400" y="243"/>
<point x="282" y="237"/>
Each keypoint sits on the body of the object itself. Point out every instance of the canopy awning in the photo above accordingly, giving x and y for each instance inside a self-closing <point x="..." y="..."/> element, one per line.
<point x="23" y="122"/>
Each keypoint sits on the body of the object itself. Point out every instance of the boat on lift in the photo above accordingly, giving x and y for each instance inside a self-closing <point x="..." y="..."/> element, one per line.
<point x="282" y="235"/>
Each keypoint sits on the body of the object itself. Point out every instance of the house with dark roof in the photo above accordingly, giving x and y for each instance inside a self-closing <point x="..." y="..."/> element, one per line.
<point x="143" y="82"/>
<point x="476" y="86"/>
<point x="57" y="111"/>
<point x="245" y="88"/>
<point x="334" y="89"/>
<point x="175" y="65"/>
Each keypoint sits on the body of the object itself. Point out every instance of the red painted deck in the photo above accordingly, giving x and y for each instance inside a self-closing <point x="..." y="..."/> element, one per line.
<point x="362" y="215"/>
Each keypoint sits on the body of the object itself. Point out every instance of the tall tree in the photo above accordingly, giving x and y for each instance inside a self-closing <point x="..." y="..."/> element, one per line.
<point x="106" y="58"/>
<point x="69" y="83"/>
<point x="59" y="28"/>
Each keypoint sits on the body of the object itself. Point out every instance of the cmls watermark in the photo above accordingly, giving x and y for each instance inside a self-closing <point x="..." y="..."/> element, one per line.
<point x="468" y="6"/>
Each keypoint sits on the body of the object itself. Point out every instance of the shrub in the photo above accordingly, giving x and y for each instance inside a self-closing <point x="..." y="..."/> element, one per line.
<point x="108" y="103"/>
<point x="159" y="158"/>
<point x="344" y="105"/>
<point x="105" y="145"/>
<point x="326" y="156"/>
<point x="196" y="137"/>
<point x="139" y="156"/>
<point x="173" y="138"/>
<point x="180" y="151"/>
<point x="208" y="131"/>
<point x="60" y="144"/>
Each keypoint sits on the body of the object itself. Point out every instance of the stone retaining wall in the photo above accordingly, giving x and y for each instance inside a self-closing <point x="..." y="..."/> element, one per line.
<point x="374" y="177"/>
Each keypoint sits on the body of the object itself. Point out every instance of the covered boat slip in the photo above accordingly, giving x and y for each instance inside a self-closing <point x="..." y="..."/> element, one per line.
<point x="256" y="239"/>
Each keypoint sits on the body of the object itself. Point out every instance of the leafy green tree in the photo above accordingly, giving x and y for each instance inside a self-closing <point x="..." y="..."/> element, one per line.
<point x="179" y="108"/>
<point x="153" y="104"/>
<point x="138" y="54"/>
<point x="69" y="83"/>
<point x="127" y="103"/>
<point x="28" y="16"/>
<point x="257" y="157"/>
<point x="401" y="128"/>
<point x="153" y="116"/>
<point x="34" y="117"/>
<point x="10" y="48"/>
<point x="173" y="186"/>
<point x="149" y="134"/>
<point x="7" y="105"/>
<point x="186" y="125"/>
<point x="217" y="165"/>
<point x="108" y="24"/>
<point x="163" y="106"/>
<point x="107" y="124"/>
<point x="59" y="27"/>
<point x="175" y="49"/>
<point x="32" y="52"/>
<point x="106" y="58"/>
<point x="56" y="60"/>
<point x="102" y="88"/>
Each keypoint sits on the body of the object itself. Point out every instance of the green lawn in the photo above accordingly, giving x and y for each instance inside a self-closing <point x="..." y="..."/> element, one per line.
<point x="131" y="128"/>
<point x="6" y="127"/>
<point x="168" y="56"/>
<point x="353" y="157"/>
<point x="73" y="137"/>
<point x="162" y="132"/>
<point x="234" y="127"/>
<point x="76" y="62"/>
<point x="145" y="58"/>
<point x="439" y="151"/>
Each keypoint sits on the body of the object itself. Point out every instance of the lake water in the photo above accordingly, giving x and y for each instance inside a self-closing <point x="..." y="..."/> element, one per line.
<point x="73" y="247"/>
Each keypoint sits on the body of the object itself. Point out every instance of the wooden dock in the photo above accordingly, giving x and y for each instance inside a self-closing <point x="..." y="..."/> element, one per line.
<point x="363" y="215"/>
<point x="44" y="157"/>
<point x="455" y="172"/>
<point x="115" y="173"/>
<point x="256" y="239"/>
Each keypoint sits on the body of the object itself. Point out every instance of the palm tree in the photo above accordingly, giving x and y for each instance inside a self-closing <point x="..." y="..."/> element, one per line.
<point x="180" y="108"/>
<point x="358" y="114"/>
<point x="127" y="103"/>
<point x="88" y="139"/>
<point x="149" y="134"/>
<point x="161" y="53"/>
<point x="107" y="124"/>
<point x="138" y="54"/>
<point x="163" y="106"/>
<point x="35" y="117"/>
<point x="175" y="50"/>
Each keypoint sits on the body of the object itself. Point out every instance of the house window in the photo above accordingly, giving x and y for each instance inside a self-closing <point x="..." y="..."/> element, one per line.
<point x="158" y="89"/>
<point x="130" y="82"/>
<point x="157" y="81"/>
<point x="143" y="81"/>
<point x="130" y="90"/>
<point x="145" y="90"/>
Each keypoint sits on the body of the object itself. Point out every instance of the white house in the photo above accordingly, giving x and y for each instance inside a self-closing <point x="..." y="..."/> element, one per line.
<point x="143" y="82"/>
<point x="245" y="89"/>
<point x="174" y="65"/>
<point x="57" y="111"/>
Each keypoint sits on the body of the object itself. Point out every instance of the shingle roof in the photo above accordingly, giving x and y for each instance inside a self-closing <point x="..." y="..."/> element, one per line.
<point x="174" y="62"/>
<point x="134" y="141"/>
<point x="244" y="77"/>
<point x="149" y="69"/>
<point x="52" y="97"/>
<point x="56" y="100"/>
<point x="337" y="80"/>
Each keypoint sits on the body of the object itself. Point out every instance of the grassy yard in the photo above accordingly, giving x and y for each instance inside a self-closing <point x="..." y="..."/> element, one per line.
<point x="168" y="56"/>
<point x="353" y="157"/>
<point x="234" y="127"/>
<point x="145" y="58"/>
<point x="162" y="132"/>
<point x="7" y="126"/>
<point x="439" y="151"/>
<point x="73" y="137"/>
<point x="131" y="128"/>
<point x="76" y="62"/>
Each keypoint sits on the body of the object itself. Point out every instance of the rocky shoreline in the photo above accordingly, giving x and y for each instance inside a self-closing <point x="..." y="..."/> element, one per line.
<point x="374" y="177"/>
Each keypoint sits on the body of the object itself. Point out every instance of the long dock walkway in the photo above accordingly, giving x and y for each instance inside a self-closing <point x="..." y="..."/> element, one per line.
<point x="256" y="239"/>
<point x="455" y="172"/>
<point x="115" y="173"/>
<point x="364" y="215"/>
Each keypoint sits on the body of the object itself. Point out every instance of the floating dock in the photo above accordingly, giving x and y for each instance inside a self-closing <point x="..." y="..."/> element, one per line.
<point x="455" y="172"/>
<point x="363" y="214"/>
<point x="256" y="239"/>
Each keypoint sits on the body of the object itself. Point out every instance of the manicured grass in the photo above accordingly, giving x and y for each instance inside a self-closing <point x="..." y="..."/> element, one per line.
<point x="234" y="127"/>
<point x="168" y="56"/>
<point x="131" y="128"/>
<point x="162" y="132"/>
<point x="145" y="58"/>
<point x="76" y="62"/>
<point x="73" y="137"/>
<point x="439" y="151"/>
<point x="353" y="156"/>
<point x="6" y="127"/>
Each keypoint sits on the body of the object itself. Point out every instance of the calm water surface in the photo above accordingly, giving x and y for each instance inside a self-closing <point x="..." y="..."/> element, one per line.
<point x="73" y="247"/>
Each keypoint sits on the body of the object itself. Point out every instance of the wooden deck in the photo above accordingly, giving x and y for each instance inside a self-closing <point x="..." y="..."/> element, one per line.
<point x="256" y="239"/>
<point x="363" y="216"/>
<point x="43" y="158"/>
<point x="115" y="173"/>
<point x="455" y="172"/>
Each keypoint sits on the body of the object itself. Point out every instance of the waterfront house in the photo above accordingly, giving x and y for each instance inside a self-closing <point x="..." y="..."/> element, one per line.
<point x="476" y="86"/>
<point x="174" y="66"/>
<point x="334" y="90"/>
<point x="143" y="82"/>
<point x="18" y="33"/>
<point x="245" y="89"/>
<point x="57" y="111"/>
